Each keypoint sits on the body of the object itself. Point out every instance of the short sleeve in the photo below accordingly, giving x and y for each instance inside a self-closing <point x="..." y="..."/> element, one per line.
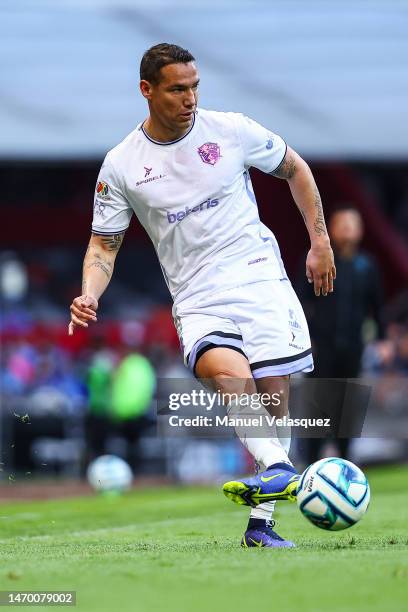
<point x="112" y="212"/>
<point x="262" y="148"/>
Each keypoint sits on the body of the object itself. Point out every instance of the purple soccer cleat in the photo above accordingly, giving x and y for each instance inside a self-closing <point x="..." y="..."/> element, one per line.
<point x="264" y="537"/>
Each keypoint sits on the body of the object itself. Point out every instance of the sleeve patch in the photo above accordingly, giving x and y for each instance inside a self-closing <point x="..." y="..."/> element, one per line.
<point x="102" y="190"/>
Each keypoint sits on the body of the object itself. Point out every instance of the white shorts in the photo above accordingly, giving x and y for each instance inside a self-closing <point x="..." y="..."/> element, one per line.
<point x="264" y="321"/>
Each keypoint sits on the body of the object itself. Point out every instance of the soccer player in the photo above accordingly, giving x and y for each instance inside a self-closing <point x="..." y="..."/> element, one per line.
<point x="184" y="173"/>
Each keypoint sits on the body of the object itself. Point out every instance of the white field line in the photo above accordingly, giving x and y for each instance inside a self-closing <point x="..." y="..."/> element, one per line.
<point x="22" y="515"/>
<point x="89" y="532"/>
<point x="75" y="534"/>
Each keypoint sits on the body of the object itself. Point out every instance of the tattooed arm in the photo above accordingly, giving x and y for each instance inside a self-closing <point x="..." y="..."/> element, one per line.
<point x="97" y="271"/>
<point x="320" y="268"/>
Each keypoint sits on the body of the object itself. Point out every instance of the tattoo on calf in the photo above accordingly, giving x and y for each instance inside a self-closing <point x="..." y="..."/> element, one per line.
<point x="113" y="242"/>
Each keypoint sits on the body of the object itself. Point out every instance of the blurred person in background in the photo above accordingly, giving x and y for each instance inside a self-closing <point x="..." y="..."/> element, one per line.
<point x="121" y="383"/>
<point x="389" y="355"/>
<point x="184" y="171"/>
<point x="98" y="422"/>
<point x="336" y="324"/>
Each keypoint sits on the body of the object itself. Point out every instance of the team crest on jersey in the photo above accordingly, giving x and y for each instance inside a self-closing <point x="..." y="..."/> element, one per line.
<point x="102" y="190"/>
<point x="209" y="153"/>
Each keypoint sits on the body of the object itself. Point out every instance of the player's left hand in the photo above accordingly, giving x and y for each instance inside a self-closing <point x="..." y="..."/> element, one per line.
<point x="320" y="268"/>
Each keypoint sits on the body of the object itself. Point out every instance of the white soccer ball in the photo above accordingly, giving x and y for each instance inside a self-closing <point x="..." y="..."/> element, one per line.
<point x="333" y="494"/>
<point x="109" y="473"/>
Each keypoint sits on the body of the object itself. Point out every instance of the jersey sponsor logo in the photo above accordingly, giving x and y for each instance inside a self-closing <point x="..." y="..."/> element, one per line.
<point x="102" y="190"/>
<point x="150" y="178"/>
<point x="209" y="152"/>
<point x="173" y="217"/>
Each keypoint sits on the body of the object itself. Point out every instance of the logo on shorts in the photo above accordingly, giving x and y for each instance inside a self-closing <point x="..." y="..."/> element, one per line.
<point x="292" y="321"/>
<point x="147" y="171"/>
<point x="210" y="153"/>
<point x="293" y="324"/>
<point x="102" y="190"/>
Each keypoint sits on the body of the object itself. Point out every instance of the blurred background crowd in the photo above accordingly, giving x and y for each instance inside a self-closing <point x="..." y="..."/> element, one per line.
<point x="65" y="400"/>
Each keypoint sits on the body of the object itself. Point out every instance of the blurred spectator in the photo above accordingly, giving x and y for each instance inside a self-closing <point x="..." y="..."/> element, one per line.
<point x="120" y="396"/>
<point x="389" y="356"/>
<point x="336" y="321"/>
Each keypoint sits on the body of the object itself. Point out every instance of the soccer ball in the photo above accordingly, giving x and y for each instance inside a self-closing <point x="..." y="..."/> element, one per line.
<point x="333" y="494"/>
<point x="109" y="473"/>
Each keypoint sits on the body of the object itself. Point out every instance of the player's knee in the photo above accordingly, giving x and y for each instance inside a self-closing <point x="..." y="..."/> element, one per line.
<point x="226" y="371"/>
<point x="232" y="383"/>
<point x="222" y="361"/>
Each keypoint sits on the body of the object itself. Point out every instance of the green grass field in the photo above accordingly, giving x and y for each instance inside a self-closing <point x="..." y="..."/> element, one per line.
<point x="178" y="549"/>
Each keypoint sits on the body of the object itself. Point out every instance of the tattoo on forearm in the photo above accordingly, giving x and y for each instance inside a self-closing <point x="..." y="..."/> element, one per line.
<point x="113" y="242"/>
<point x="286" y="168"/>
<point x="319" y="224"/>
<point x="104" y="267"/>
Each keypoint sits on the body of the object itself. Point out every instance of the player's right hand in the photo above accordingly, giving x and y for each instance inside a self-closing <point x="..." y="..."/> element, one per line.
<point x="83" y="309"/>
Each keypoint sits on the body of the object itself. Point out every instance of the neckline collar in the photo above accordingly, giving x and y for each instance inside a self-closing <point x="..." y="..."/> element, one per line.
<point x="158" y="142"/>
<point x="170" y="142"/>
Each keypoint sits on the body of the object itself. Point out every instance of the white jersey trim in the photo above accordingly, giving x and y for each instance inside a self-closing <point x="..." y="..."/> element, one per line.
<point x="282" y="160"/>
<point x="109" y="233"/>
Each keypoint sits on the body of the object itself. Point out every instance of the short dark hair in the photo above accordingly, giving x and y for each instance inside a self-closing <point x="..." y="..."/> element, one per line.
<point x="155" y="58"/>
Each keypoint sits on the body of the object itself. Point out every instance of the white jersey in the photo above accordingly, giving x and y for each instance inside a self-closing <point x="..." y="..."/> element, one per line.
<point x="194" y="198"/>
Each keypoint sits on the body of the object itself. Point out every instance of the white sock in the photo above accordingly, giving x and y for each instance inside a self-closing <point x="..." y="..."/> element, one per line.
<point x="284" y="435"/>
<point x="266" y="450"/>
<point x="263" y="511"/>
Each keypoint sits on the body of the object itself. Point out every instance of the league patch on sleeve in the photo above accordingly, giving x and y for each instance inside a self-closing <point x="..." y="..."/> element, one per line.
<point x="102" y="190"/>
